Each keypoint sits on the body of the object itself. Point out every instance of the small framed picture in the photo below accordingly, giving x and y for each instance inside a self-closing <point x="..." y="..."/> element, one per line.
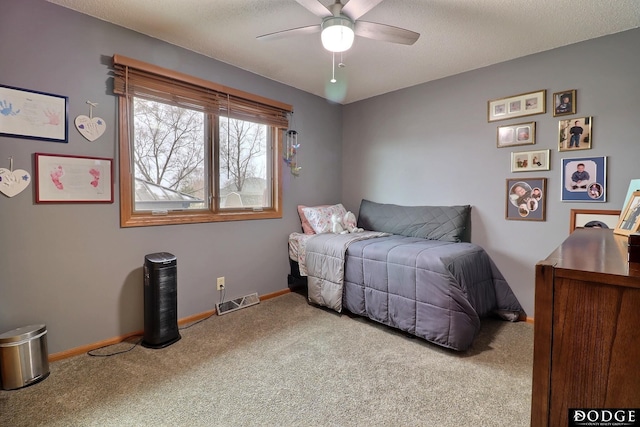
<point x="564" y="103"/>
<point x="36" y="115"/>
<point x="575" y="134"/>
<point x="526" y="161"/>
<point x="73" y="179"/>
<point x="634" y="186"/>
<point x="518" y="134"/>
<point x="593" y="218"/>
<point x="526" y="199"/>
<point x="584" y="179"/>
<point x="525" y="104"/>
<point x="629" y="221"/>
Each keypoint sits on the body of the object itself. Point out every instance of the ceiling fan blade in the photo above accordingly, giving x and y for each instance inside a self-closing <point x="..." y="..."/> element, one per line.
<point x="310" y="29"/>
<point x="354" y="9"/>
<point x="315" y="7"/>
<point x="387" y="33"/>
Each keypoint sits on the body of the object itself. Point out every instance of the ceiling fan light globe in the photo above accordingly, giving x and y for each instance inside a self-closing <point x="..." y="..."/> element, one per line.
<point x="337" y="34"/>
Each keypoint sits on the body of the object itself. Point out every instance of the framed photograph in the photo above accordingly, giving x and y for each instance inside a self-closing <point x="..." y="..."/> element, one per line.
<point x="593" y="218"/>
<point x="629" y="221"/>
<point x="73" y="179"/>
<point x="564" y="103"/>
<point x="575" y="134"/>
<point x="35" y="115"/>
<point x="634" y="186"/>
<point x="526" y="161"/>
<point x="526" y="199"/>
<point x="525" y="104"/>
<point x="584" y="179"/>
<point x="519" y="134"/>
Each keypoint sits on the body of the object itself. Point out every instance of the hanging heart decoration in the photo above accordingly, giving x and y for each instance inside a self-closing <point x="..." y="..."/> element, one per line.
<point x="90" y="127"/>
<point x="13" y="182"/>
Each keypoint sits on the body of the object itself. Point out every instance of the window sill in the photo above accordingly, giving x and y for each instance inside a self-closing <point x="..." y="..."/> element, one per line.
<point x="175" y="218"/>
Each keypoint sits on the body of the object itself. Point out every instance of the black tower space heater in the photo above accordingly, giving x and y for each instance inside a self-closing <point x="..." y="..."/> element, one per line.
<point x="160" y="300"/>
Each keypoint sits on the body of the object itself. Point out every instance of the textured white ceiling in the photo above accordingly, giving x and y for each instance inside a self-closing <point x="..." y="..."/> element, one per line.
<point x="456" y="36"/>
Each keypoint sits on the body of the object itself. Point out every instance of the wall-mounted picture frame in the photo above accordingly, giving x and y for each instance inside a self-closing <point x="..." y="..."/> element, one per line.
<point x="584" y="179"/>
<point x="73" y="179"/>
<point x="564" y="102"/>
<point x="593" y="218"/>
<point x="575" y="134"/>
<point x="34" y="115"/>
<point x="526" y="199"/>
<point x="525" y="104"/>
<point x="518" y="134"/>
<point x="527" y="161"/>
<point x="629" y="221"/>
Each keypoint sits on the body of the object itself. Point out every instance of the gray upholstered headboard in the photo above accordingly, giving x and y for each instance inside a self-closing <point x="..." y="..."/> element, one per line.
<point x="446" y="223"/>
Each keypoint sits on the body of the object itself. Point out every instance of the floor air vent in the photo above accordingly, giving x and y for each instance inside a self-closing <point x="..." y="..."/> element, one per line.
<point x="237" y="304"/>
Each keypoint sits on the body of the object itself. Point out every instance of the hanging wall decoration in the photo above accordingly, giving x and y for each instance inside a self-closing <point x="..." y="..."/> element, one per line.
<point x="73" y="179"/>
<point x="291" y="150"/>
<point x="526" y="199"/>
<point x="36" y="115"/>
<point x="12" y="182"/>
<point x="90" y="127"/>
<point x="584" y="179"/>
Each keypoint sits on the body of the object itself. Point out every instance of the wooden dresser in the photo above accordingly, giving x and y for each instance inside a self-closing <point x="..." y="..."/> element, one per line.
<point x="587" y="328"/>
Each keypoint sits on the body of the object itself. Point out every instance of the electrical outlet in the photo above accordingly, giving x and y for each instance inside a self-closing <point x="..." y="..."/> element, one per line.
<point x="220" y="283"/>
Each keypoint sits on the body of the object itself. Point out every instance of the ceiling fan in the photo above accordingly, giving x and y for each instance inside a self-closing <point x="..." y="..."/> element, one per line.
<point x="340" y="24"/>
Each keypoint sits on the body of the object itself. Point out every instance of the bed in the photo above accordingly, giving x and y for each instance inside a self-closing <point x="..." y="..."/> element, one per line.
<point x="410" y="269"/>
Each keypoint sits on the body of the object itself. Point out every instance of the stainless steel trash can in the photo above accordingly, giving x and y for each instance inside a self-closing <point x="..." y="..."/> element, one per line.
<point x="23" y="357"/>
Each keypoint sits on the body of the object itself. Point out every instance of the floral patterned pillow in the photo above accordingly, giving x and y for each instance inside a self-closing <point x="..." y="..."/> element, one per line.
<point x="320" y="217"/>
<point x="306" y="227"/>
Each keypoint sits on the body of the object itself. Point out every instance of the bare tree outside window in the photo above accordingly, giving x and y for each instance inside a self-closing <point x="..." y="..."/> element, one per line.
<point x="169" y="147"/>
<point x="243" y="162"/>
<point x="183" y="161"/>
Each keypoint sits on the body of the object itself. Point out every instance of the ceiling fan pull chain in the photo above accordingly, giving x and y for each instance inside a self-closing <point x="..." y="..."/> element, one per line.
<point x="333" y="68"/>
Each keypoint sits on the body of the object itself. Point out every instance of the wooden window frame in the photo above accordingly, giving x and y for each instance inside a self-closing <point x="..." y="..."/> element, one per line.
<point x="248" y="103"/>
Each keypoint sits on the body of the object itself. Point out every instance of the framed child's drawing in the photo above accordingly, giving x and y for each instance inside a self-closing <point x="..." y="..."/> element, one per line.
<point x="73" y="179"/>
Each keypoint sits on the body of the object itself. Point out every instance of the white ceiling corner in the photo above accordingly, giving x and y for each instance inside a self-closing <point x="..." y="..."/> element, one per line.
<point x="455" y="36"/>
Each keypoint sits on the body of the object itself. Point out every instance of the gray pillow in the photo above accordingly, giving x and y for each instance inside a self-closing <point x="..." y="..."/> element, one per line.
<point x="446" y="223"/>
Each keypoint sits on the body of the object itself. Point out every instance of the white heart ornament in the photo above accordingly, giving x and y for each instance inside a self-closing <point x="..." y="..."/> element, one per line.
<point x="13" y="182"/>
<point x="90" y="127"/>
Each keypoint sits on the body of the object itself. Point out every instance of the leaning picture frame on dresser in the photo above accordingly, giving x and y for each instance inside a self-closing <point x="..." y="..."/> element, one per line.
<point x="593" y="218"/>
<point x="629" y="221"/>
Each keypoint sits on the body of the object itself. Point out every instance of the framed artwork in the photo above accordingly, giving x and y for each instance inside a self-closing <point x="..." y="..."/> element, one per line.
<point x="525" y="104"/>
<point x="564" y="103"/>
<point x="634" y="185"/>
<point x="575" y="134"/>
<point x="526" y="199"/>
<point x="593" y="218"/>
<point x="518" y="134"/>
<point x="526" y="161"/>
<point x="629" y="221"/>
<point x="35" y="115"/>
<point x="73" y="179"/>
<point x="584" y="179"/>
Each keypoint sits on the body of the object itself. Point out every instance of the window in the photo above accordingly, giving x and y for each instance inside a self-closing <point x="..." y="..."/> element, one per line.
<point x="193" y="151"/>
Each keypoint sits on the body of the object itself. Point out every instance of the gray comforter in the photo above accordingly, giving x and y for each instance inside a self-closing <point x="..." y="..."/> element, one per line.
<point x="325" y="257"/>
<point x="432" y="289"/>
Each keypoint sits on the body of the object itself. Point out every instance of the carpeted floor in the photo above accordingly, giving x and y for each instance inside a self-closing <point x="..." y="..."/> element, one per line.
<point x="284" y="362"/>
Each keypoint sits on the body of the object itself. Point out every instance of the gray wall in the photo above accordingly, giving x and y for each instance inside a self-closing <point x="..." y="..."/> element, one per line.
<point x="71" y="266"/>
<point x="431" y="144"/>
